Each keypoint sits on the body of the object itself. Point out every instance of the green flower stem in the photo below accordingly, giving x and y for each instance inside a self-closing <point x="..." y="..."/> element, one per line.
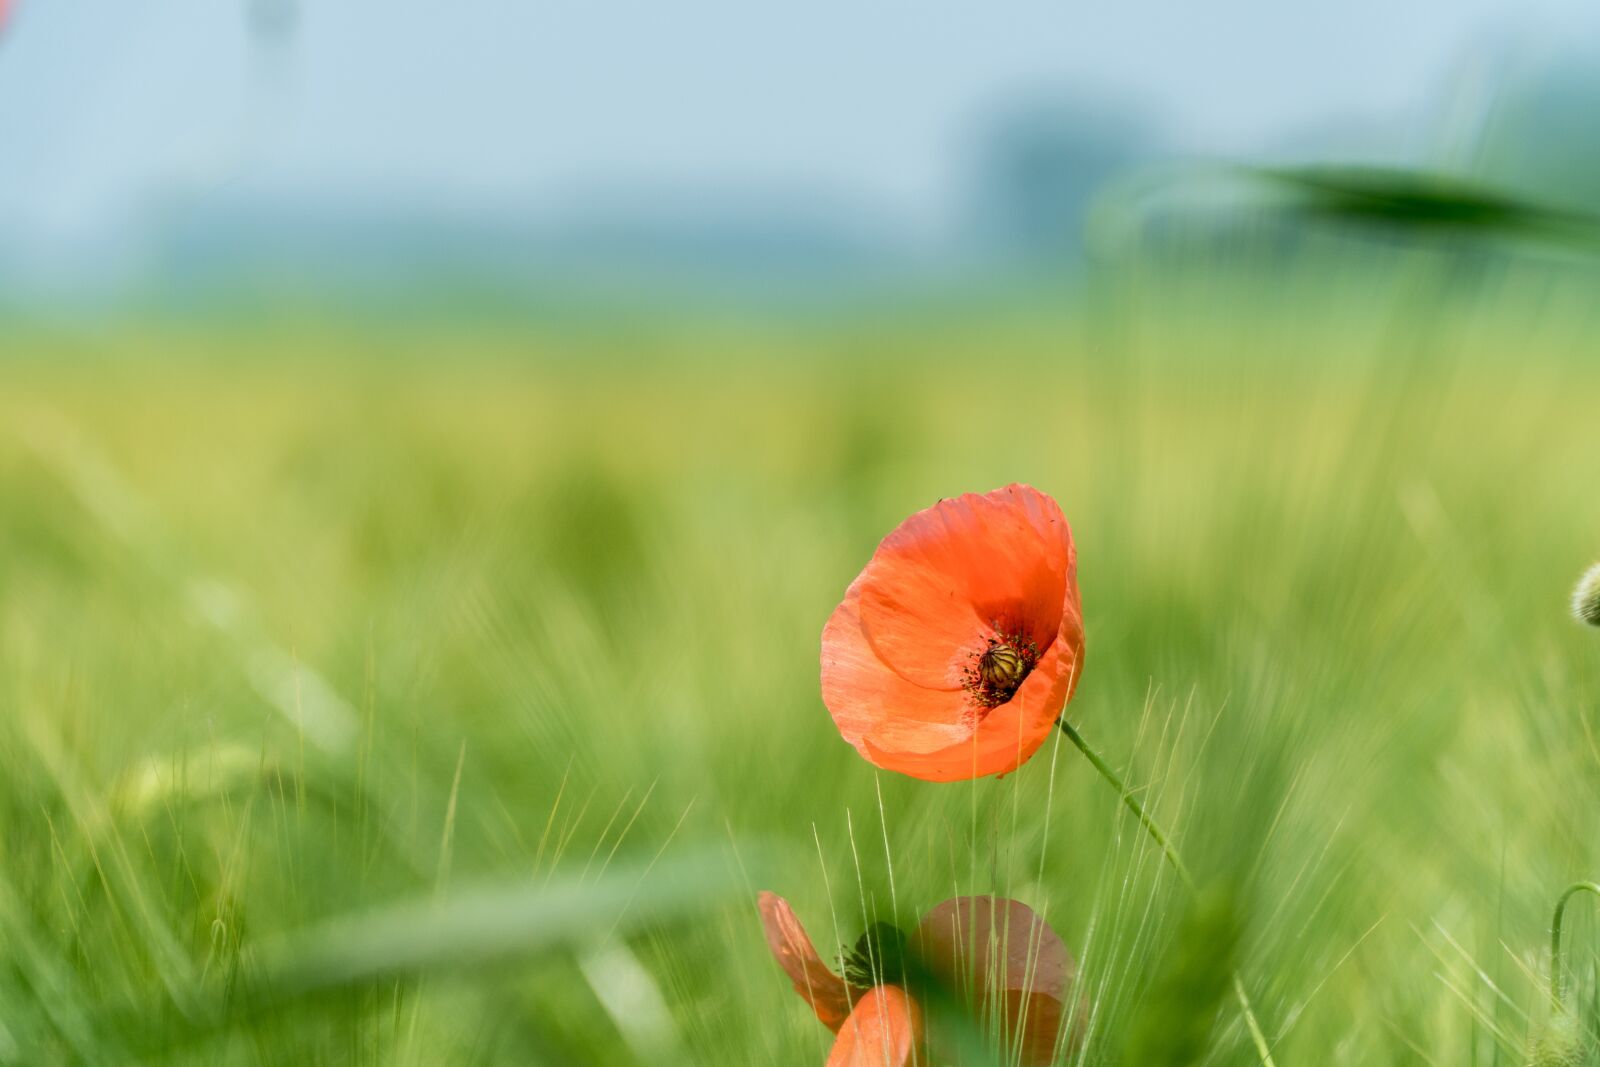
<point x="1159" y="836"/>
<point x="1555" y="934"/>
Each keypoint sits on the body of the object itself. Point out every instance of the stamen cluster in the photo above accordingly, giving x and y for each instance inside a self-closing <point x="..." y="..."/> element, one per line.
<point x="995" y="673"/>
<point x="879" y="956"/>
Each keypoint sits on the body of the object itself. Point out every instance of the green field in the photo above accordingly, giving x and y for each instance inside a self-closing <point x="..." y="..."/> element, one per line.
<point x="445" y="696"/>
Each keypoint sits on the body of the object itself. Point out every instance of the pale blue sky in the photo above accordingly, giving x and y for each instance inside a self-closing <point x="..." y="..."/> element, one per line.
<point x="107" y="105"/>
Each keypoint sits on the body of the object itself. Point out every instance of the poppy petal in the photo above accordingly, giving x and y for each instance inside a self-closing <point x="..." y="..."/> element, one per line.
<point x="868" y="700"/>
<point x="967" y="569"/>
<point x="1003" y="739"/>
<point x="883" y="1031"/>
<point x="1010" y="734"/>
<point x="827" y="993"/>
<point x="999" y="951"/>
<point x="1034" y="1025"/>
<point x="996" y="943"/>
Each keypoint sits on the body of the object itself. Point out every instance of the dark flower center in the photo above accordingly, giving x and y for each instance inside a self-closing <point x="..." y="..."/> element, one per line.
<point x="998" y="670"/>
<point x="878" y="958"/>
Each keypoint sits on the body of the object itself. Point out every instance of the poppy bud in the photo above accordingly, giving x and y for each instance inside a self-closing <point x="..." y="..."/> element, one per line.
<point x="1586" y="598"/>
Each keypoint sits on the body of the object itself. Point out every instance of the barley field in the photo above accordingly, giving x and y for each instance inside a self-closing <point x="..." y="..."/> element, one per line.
<point x="443" y="693"/>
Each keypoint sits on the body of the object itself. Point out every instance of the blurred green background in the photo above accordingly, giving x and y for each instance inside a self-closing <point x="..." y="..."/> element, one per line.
<point x="411" y="580"/>
<point x="319" y="630"/>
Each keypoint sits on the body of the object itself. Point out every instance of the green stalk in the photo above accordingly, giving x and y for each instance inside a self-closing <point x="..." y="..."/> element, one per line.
<point x="1555" y="934"/>
<point x="1159" y="836"/>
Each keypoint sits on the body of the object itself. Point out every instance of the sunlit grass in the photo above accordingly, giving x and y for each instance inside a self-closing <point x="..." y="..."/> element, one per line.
<point x="452" y="708"/>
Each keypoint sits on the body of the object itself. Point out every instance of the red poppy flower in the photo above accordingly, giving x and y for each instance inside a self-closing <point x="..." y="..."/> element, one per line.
<point x="999" y="955"/>
<point x="955" y="650"/>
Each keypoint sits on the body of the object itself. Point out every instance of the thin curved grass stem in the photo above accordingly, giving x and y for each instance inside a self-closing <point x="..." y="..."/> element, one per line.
<point x="1159" y="836"/>
<point x="1555" y="934"/>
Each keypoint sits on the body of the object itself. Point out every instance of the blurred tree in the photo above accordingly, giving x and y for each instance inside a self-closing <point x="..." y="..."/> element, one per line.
<point x="272" y="22"/>
<point x="1040" y="165"/>
<point x="1539" y="139"/>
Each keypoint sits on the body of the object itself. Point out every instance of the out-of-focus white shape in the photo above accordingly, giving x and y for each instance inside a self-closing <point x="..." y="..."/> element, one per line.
<point x="630" y="996"/>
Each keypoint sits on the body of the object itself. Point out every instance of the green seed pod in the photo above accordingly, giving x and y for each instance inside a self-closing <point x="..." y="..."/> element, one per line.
<point x="1562" y="1044"/>
<point x="1002" y="667"/>
<point x="1586" y="598"/>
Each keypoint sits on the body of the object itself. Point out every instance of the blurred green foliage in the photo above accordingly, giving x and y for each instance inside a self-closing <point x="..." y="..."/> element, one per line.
<point x="310" y="628"/>
<point x="1176" y="1020"/>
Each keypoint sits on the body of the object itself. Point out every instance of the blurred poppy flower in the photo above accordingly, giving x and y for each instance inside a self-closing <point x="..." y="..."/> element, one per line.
<point x="955" y="650"/>
<point x="994" y="955"/>
<point x="1006" y="963"/>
